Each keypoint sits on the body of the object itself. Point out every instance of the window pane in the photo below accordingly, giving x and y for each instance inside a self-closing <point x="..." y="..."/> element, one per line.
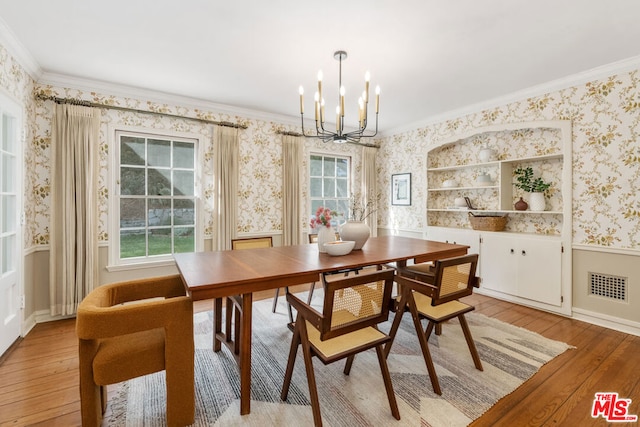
<point x="160" y="241"/>
<point x="316" y="166"/>
<point x="342" y="188"/>
<point x="315" y="187"/>
<point x="159" y="182"/>
<point x="183" y="183"/>
<point x="329" y="188"/>
<point x="159" y="212"/>
<point x="159" y="153"/>
<point x="8" y="213"/>
<point x="132" y="243"/>
<point x="329" y="168"/>
<point x="8" y="134"/>
<point x="184" y="212"/>
<point x="132" y="181"/>
<point x="8" y="253"/>
<point x="183" y="155"/>
<point x="184" y="239"/>
<point x="343" y="208"/>
<point x="131" y="150"/>
<point x="8" y="164"/>
<point x="342" y="167"/>
<point x="132" y="213"/>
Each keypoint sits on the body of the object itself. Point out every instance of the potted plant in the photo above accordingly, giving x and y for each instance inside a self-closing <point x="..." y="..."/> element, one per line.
<point x="536" y="187"/>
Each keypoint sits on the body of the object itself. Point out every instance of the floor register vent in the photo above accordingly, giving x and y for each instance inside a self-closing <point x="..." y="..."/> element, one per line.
<point x="608" y="286"/>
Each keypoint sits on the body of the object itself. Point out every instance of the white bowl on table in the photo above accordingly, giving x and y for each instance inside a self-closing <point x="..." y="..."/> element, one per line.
<point x="339" y="247"/>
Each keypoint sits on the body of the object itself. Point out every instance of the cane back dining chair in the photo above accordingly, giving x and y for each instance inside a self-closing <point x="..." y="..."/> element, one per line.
<point x="353" y="306"/>
<point x="233" y="303"/>
<point x="313" y="238"/>
<point x="433" y="293"/>
<point x="136" y="328"/>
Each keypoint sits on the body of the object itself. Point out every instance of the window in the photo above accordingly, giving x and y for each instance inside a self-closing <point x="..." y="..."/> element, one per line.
<point x="329" y="184"/>
<point x="156" y="208"/>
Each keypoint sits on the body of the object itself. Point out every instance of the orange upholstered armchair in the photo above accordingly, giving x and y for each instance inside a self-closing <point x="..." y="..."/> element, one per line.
<point x="135" y="328"/>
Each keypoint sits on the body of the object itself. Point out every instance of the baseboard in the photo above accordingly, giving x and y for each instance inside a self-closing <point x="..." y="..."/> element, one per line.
<point x="43" y="316"/>
<point x="615" y="323"/>
<point x="28" y="324"/>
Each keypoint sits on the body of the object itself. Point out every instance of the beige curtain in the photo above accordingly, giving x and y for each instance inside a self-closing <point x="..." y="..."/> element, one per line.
<point x="73" y="256"/>
<point x="292" y="150"/>
<point x="226" y="183"/>
<point x="370" y="185"/>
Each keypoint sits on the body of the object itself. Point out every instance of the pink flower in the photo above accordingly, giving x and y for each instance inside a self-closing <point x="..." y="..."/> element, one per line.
<point x="323" y="217"/>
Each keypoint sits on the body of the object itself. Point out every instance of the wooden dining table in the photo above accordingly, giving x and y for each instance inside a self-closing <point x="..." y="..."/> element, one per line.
<point x="218" y="274"/>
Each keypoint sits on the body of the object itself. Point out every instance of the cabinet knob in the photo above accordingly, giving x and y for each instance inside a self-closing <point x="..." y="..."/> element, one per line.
<point x="524" y="253"/>
<point x="512" y="251"/>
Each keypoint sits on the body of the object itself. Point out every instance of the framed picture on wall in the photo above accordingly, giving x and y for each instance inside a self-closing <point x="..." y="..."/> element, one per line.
<point x="401" y="189"/>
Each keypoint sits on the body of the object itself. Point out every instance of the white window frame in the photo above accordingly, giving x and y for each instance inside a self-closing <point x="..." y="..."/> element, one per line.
<point x="116" y="263"/>
<point x="310" y="210"/>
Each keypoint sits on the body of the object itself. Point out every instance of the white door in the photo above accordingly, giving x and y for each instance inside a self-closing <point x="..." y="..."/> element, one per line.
<point x="540" y="270"/>
<point x="499" y="263"/>
<point x="10" y="232"/>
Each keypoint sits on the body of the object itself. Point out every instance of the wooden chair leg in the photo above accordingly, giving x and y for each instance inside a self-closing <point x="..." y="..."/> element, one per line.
<point x="424" y="345"/>
<point x="470" y="343"/>
<point x="438" y="329"/>
<point x="396" y="324"/>
<point x="311" y="378"/>
<point x="347" y="366"/>
<point x="386" y="376"/>
<point x="286" y="290"/>
<point x="293" y="351"/>
<point x="313" y="286"/>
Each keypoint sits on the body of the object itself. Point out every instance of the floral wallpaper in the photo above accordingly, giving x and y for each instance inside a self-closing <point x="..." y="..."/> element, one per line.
<point x="260" y="181"/>
<point x="605" y="117"/>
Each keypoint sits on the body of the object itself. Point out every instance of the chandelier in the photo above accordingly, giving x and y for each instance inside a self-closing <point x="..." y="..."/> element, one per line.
<point x="340" y="136"/>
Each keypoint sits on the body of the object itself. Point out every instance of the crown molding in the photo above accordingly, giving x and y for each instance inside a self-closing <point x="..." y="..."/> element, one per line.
<point x="124" y="91"/>
<point x="16" y="49"/>
<point x="583" y="77"/>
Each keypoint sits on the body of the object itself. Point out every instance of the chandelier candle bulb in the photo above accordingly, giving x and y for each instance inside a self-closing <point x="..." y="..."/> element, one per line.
<point x="377" y="99"/>
<point x="342" y="91"/>
<point x="320" y="84"/>
<point x="301" y="90"/>
<point x="367" y="77"/>
<point x="338" y="119"/>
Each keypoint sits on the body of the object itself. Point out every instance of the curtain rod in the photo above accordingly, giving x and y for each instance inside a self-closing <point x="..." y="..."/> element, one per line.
<point x="289" y="133"/>
<point x="115" y="107"/>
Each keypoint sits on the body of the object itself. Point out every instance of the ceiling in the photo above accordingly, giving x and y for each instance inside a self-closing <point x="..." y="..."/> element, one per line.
<point x="429" y="57"/>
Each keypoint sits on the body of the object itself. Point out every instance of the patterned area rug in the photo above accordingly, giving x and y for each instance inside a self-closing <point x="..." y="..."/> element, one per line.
<point x="510" y="355"/>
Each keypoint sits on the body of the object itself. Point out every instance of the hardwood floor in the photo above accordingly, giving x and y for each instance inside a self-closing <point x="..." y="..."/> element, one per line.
<point x="39" y="378"/>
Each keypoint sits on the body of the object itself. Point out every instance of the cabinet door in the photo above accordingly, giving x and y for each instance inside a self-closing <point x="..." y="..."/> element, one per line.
<point x="524" y="267"/>
<point x="540" y="270"/>
<point x="498" y="262"/>
<point x="458" y="236"/>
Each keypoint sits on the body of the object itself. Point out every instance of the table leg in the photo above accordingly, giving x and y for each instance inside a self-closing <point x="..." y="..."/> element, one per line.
<point x="217" y="323"/>
<point x="245" y="355"/>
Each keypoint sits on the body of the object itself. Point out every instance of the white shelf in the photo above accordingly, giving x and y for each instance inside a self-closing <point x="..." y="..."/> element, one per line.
<point x="475" y="187"/>
<point x="499" y="211"/>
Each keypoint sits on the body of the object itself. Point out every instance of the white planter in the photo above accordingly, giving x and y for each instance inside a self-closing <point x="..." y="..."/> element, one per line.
<point x="325" y="234"/>
<point x="537" y="202"/>
<point x="357" y="231"/>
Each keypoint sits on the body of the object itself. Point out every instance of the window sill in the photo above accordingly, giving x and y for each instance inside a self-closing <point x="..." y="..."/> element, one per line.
<point x="140" y="265"/>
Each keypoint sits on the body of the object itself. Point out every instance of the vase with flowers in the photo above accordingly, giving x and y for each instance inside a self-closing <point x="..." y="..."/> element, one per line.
<point x="355" y="228"/>
<point x="322" y="222"/>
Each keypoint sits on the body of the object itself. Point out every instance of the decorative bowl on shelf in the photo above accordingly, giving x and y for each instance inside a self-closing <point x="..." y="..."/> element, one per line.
<point x="339" y="247"/>
<point x="484" y="180"/>
<point x="450" y="183"/>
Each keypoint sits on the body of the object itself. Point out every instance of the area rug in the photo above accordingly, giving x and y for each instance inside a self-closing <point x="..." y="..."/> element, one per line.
<point x="510" y="355"/>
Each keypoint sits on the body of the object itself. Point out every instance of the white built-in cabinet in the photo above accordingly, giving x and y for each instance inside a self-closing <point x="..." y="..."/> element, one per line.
<point x="530" y="261"/>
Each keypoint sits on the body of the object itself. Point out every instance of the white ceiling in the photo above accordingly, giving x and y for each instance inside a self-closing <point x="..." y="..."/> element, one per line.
<point x="430" y="57"/>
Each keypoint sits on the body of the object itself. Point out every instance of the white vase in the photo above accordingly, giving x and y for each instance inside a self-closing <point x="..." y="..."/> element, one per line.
<point x="325" y="235"/>
<point x="357" y="231"/>
<point x="537" y="202"/>
<point x="486" y="155"/>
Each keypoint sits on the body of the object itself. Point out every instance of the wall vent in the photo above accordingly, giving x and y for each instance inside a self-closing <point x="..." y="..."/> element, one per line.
<point x="608" y="286"/>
